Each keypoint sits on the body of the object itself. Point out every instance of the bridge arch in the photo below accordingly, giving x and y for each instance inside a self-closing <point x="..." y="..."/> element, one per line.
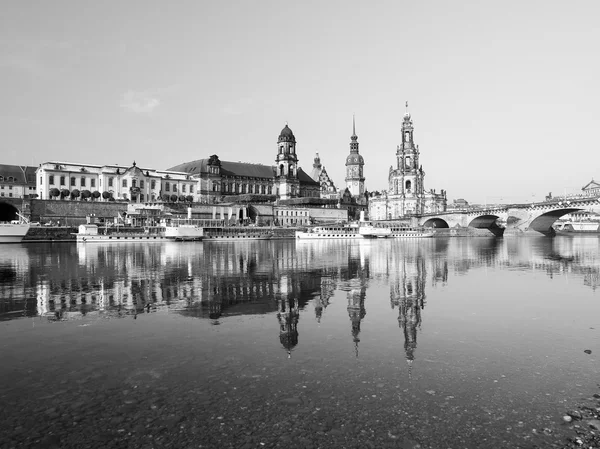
<point x="8" y="212"/>
<point x="543" y="223"/>
<point x="436" y="223"/>
<point x="484" y="221"/>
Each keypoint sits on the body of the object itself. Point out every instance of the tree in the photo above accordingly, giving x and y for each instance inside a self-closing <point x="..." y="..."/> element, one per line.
<point x="86" y="194"/>
<point x="96" y="195"/>
<point x="75" y="194"/>
<point x="64" y="193"/>
<point x="166" y="197"/>
<point x="182" y="198"/>
<point x="54" y="193"/>
<point x="106" y="195"/>
<point x="189" y="199"/>
<point x="173" y="198"/>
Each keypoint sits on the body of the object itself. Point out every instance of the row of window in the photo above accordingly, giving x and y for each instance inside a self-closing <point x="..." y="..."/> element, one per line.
<point x="243" y="188"/>
<point x="2" y="194"/>
<point x="134" y="183"/>
<point x="291" y="213"/>
<point x="173" y="188"/>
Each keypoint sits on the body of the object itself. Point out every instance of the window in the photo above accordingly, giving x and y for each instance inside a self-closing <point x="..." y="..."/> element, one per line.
<point x="141" y="184"/>
<point x="62" y="180"/>
<point x="125" y="184"/>
<point x="153" y="184"/>
<point x="92" y="183"/>
<point x="167" y="187"/>
<point x="183" y="188"/>
<point x="82" y="181"/>
<point x="10" y="188"/>
<point x="110" y="182"/>
<point x="50" y="180"/>
<point x="191" y="189"/>
<point x="174" y="187"/>
<point x="133" y="183"/>
<point x="73" y="181"/>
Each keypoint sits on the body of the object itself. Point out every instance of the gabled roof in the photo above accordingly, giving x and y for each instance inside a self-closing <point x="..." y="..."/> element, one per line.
<point x="22" y="174"/>
<point x="591" y="185"/>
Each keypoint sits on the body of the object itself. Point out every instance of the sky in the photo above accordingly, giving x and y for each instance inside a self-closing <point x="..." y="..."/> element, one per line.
<point x="503" y="95"/>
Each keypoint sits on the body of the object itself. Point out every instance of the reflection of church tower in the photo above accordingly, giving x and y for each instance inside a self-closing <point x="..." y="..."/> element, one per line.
<point x="356" y="310"/>
<point x="287" y="165"/>
<point x="409" y="296"/>
<point x="322" y="301"/>
<point x="355" y="180"/>
<point x="288" y="315"/>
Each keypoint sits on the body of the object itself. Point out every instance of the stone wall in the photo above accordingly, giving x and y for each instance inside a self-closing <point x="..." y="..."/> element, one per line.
<point x="73" y="213"/>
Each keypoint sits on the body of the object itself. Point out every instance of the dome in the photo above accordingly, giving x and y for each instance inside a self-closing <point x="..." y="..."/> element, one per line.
<point x="286" y="135"/>
<point x="355" y="159"/>
<point x="407" y="116"/>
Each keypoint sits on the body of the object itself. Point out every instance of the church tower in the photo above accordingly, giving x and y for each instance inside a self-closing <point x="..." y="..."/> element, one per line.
<point x="355" y="180"/>
<point x="287" y="165"/>
<point x="409" y="183"/>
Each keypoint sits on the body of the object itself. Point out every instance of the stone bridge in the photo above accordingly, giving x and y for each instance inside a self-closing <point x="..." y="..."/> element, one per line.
<point x="535" y="218"/>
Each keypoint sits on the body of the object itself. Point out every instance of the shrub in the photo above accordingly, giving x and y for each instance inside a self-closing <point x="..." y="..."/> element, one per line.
<point x="173" y="198"/>
<point x="64" y="193"/>
<point x="86" y="194"/>
<point x="75" y="194"/>
<point x="189" y="199"/>
<point x="54" y="193"/>
<point x="96" y="195"/>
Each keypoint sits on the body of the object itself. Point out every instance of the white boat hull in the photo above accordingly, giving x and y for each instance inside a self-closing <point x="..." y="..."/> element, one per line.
<point x="13" y="233"/>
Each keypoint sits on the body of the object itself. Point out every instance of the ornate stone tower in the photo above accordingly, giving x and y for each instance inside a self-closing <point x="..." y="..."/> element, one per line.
<point x="355" y="180"/>
<point x="409" y="183"/>
<point x="287" y="180"/>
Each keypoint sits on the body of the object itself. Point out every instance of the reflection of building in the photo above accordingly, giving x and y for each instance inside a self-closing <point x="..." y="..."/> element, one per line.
<point x="322" y="300"/>
<point x="288" y="315"/>
<point x="356" y="308"/>
<point x="408" y="294"/>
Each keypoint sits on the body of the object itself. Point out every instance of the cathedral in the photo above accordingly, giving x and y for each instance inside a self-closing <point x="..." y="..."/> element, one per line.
<point x="406" y="194"/>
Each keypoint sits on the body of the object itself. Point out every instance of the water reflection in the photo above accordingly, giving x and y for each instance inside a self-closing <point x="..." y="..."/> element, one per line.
<point x="282" y="278"/>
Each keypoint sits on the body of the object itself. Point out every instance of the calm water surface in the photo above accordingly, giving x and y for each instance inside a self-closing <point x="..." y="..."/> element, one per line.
<point x="433" y="343"/>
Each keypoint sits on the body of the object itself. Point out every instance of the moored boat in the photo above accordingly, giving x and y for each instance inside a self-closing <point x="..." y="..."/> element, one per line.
<point x="405" y="231"/>
<point x="581" y="222"/>
<point x="330" y="232"/>
<point x="233" y="233"/>
<point x="13" y="232"/>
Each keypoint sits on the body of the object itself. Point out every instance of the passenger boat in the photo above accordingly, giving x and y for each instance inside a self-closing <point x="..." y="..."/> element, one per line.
<point x="330" y="232"/>
<point x="368" y="230"/>
<point x="88" y="233"/>
<point x="405" y="231"/>
<point x="233" y="233"/>
<point x="14" y="231"/>
<point x="582" y="222"/>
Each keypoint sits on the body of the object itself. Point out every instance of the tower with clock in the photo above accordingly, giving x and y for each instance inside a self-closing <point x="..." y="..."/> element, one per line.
<point x="355" y="180"/>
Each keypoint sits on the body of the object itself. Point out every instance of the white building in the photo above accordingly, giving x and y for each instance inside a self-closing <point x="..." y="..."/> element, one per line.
<point x="112" y="182"/>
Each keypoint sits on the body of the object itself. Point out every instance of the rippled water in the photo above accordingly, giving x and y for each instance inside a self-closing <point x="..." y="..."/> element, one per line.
<point x="437" y="342"/>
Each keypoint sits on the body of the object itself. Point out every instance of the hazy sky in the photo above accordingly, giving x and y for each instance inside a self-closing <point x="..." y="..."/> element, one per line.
<point x="503" y="94"/>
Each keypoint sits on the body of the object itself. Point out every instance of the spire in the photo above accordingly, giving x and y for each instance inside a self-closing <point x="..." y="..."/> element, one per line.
<point x="354" y="137"/>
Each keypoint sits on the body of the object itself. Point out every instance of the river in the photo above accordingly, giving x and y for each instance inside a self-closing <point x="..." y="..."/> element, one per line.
<point x="424" y="343"/>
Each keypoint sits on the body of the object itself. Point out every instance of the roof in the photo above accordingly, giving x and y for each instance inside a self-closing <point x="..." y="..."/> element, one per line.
<point x="591" y="185"/>
<point x="238" y="169"/>
<point x="22" y="174"/>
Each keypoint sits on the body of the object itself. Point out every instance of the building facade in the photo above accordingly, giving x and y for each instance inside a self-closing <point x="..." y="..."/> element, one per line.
<point x="406" y="194"/>
<point x="319" y="174"/>
<point x="17" y="181"/>
<point x="67" y="180"/>
<point x="217" y="179"/>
